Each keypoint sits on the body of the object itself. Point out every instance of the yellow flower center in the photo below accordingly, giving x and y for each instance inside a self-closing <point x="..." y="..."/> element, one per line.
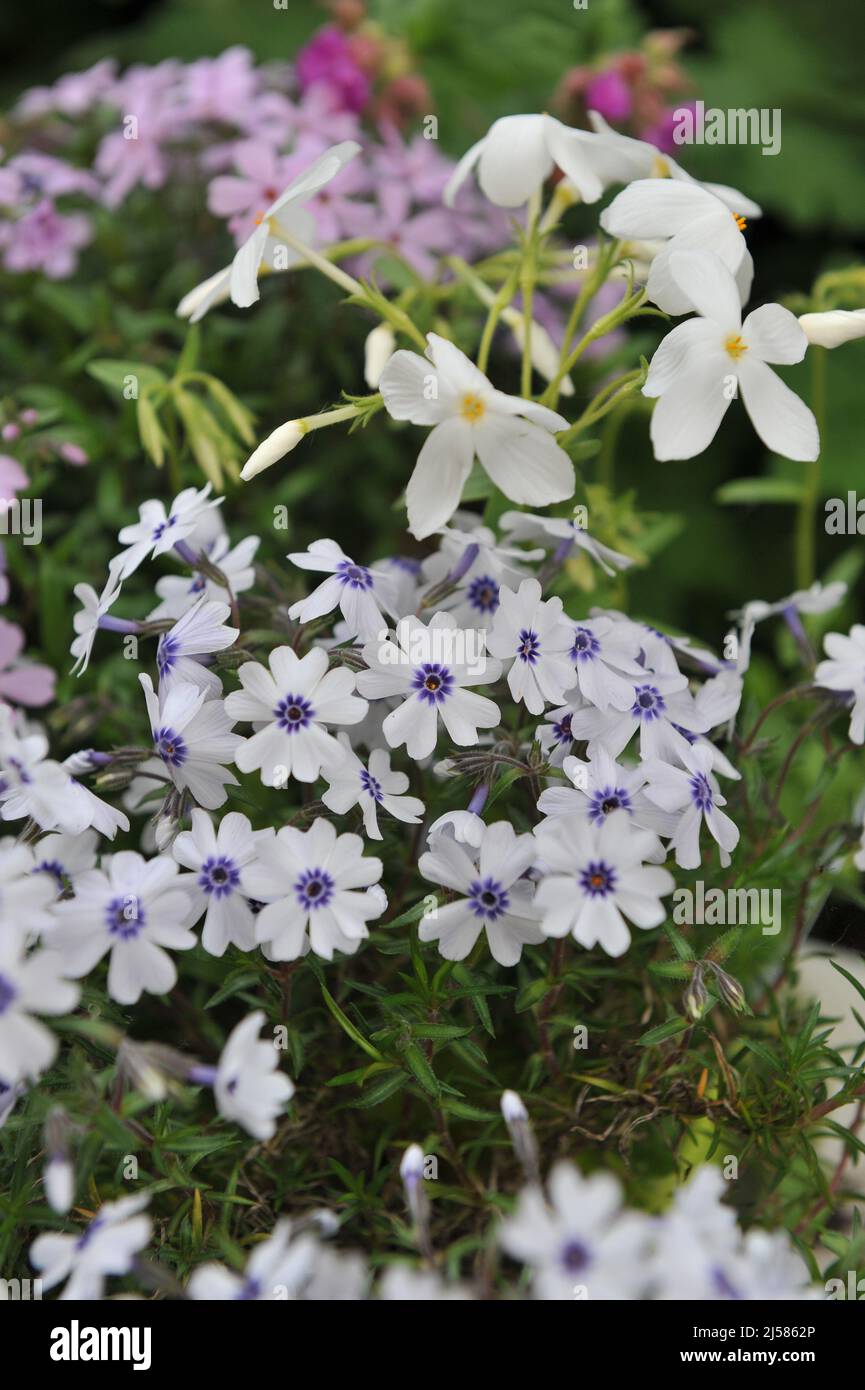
<point x="660" y="168"/>
<point x="472" y="407"/>
<point x="739" y="220"/>
<point x="735" y="346"/>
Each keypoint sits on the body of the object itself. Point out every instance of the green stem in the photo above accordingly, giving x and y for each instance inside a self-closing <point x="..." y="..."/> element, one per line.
<point x="805" y="522"/>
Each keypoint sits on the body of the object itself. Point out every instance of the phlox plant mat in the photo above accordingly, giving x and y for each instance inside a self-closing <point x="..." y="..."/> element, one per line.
<point x="391" y="906"/>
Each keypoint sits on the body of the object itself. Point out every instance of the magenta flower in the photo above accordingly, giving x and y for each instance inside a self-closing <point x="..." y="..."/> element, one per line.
<point x="609" y="94"/>
<point x="20" y="682"/>
<point x="327" y="58"/>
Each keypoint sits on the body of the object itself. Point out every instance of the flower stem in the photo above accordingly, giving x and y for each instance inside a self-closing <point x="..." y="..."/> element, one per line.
<point x="805" y="521"/>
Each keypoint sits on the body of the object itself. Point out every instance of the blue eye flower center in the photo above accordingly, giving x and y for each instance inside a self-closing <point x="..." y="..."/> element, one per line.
<point x="701" y="792"/>
<point x="170" y="747"/>
<point x="528" y="646"/>
<point x="606" y="800"/>
<point x="8" y="993"/>
<point x="586" y="645"/>
<point x="483" y="594"/>
<point x="433" y="682"/>
<point x="219" y="876"/>
<point x="370" y="785"/>
<point x="488" y="899"/>
<point x="125" y="917"/>
<point x="293" y="713"/>
<point x="648" y="703"/>
<point x="354" y="576"/>
<point x="597" y="879"/>
<point x="314" y="888"/>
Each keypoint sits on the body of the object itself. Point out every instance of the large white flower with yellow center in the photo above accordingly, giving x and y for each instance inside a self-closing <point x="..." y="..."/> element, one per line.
<point x="703" y="364"/>
<point x="512" y="437"/>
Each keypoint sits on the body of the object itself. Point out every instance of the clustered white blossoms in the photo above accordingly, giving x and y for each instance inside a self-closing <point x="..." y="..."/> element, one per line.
<point x="615" y="725"/>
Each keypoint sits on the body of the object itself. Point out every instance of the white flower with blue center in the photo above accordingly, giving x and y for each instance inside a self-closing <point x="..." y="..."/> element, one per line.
<point x="595" y="878"/>
<point x="107" y="1246"/>
<point x="63" y="857"/>
<point x="605" y="662"/>
<point x="201" y="631"/>
<point x="157" y="531"/>
<point x="371" y="786"/>
<point x="290" y="706"/>
<point x="601" y="786"/>
<point x="218" y="860"/>
<point x="470" y="559"/>
<point x="555" y="735"/>
<point x="192" y="736"/>
<point x="512" y="437"/>
<point x="492" y="894"/>
<point x="30" y="983"/>
<point x="361" y="594"/>
<point x="583" y="1238"/>
<point x="249" y="1087"/>
<point x="692" y="794"/>
<point x="134" y="910"/>
<point x="318" y="890"/>
<point x="429" y="666"/>
<point x="663" y="710"/>
<point x="533" y="634"/>
<point x="179" y="592"/>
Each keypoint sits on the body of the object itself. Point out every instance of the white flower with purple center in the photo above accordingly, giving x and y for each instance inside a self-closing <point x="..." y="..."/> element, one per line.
<point x="493" y="896"/>
<point x="582" y="1237"/>
<point x="201" y="631"/>
<point x="595" y="877"/>
<point x="562" y="535"/>
<point x="663" y="710"/>
<point x="218" y="860"/>
<point x="535" y="636"/>
<point x="555" y="735"/>
<point x="180" y="592"/>
<point x="192" y="735"/>
<point x="30" y="984"/>
<point x="317" y="887"/>
<point x="512" y="437"/>
<point x="107" y="1246"/>
<point x="844" y="672"/>
<point x="131" y="909"/>
<point x="158" y="531"/>
<point x="692" y="795"/>
<point x="248" y="1085"/>
<point x="25" y="895"/>
<point x="470" y="559"/>
<point x="361" y="594"/>
<point x="601" y="786"/>
<point x="63" y="857"/>
<point x="430" y="666"/>
<point x="372" y="787"/>
<point x="606" y="665"/>
<point x="290" y="706"/>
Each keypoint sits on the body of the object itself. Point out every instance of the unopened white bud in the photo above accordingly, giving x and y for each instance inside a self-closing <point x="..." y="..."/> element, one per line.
<point x="59" y="1179"/>
<point x="833" y="328"/>
<point x="379" y="348"/>
<point x="513" y="1109"/>
<point x="273" y="448"/>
